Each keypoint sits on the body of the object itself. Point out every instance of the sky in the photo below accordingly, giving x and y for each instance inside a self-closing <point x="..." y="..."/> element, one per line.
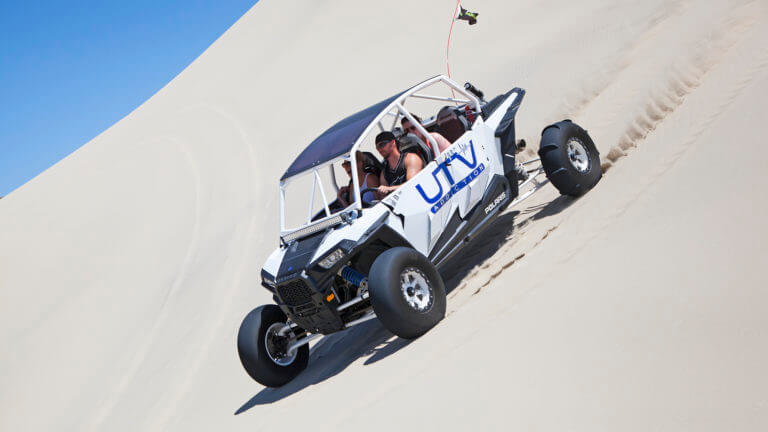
<point x="71" y="69"/>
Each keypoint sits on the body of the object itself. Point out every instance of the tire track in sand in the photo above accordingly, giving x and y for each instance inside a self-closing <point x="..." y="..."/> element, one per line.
<point x="679" y="86"/>
<point x="140" y="355"/>
<point x="683" y="79"/>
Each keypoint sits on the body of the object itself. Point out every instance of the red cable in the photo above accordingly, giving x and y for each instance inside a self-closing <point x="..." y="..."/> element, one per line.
<point x="448" y="45"/>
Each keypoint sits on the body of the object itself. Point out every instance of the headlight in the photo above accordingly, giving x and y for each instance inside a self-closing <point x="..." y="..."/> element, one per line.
<point x="331" y="259"/>
<point x="267" y="280"/>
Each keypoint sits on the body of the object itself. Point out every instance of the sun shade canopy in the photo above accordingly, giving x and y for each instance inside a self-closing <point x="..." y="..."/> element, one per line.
<point x="337" y="140"/>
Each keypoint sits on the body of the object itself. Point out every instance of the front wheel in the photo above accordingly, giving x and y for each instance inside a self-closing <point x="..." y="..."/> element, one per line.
<point x="570" y="158"/>
<point x="264" y="351"/>
<point x="406" y="291"/>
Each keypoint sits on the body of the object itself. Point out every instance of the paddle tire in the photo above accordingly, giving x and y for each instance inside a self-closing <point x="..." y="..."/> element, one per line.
<point x="569" y="157"/>
<point x="262" y="351"/>
<point x="406" y="292"/>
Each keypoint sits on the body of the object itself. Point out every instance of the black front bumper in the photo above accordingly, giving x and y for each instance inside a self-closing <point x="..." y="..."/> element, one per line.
<point x="312" y="307"/>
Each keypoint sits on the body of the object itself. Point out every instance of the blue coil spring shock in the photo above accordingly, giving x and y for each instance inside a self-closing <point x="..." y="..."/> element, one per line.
<point x="352" y="276"/>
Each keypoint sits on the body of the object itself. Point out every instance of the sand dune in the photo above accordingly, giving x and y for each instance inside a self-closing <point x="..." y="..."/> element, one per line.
<point x="126" y="268"/>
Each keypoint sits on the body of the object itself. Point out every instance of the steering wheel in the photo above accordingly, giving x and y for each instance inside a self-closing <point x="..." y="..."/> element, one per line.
<point x="366" y="190"/>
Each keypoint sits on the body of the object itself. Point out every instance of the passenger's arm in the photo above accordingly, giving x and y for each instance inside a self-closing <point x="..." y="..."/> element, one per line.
<point x="442" y="142"/>
<point x="341" y="194"/>
<point x="413" y="164"/>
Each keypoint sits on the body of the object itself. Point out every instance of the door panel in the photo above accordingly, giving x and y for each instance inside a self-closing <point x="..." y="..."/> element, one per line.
<point x="454" y="182"/>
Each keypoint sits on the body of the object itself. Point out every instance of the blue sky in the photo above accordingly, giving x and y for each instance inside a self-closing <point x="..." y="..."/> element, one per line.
<point x="70" y="69"/>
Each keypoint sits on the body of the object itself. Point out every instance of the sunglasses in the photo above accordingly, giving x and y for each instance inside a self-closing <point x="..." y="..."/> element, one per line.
<point x="381" y="144"/>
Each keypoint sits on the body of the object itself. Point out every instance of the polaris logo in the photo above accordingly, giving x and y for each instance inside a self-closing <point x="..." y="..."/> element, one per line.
<point x="495" y="202"/>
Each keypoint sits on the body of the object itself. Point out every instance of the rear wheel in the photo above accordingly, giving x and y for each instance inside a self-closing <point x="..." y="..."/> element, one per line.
<point x="264" y="351"/>
<point x="570" y="158"/>
<point x="406" y="291"/>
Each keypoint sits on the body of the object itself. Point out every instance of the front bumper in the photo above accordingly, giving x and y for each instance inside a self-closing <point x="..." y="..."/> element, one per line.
<point x="308" y="305"/>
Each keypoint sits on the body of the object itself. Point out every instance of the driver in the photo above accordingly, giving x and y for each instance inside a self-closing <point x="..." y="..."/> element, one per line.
<point x="398" y="167"/>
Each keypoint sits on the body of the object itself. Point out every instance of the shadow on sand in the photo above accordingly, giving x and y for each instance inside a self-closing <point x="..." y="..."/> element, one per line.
<point x="334" y="353"/>
<point x="331" y="355"/>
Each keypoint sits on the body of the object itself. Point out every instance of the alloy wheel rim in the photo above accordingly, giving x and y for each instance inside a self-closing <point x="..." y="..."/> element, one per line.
<point x="578" y="155"/>
<point x="416" y="289"/>
<point x="277" y="346"/>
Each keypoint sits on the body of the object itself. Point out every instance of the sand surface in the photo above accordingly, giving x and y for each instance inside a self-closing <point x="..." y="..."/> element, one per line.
<point x="126" y="268"/>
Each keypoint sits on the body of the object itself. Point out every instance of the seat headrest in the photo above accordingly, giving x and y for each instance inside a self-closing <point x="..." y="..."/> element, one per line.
<point x="371" y="164"/>
<point x="450" y="124"/>
<point x="411" y="142"/>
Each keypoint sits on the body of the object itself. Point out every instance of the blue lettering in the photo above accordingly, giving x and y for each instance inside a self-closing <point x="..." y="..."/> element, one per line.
<point x="437" y="195"/>
<point x="447" y="173"/>
<point x="457" y="187"/>
<point x="440" y="199"/>
<point x="474" y="158"/>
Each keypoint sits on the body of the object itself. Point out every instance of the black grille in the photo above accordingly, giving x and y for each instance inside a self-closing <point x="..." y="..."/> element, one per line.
<point x="295" y="292"/>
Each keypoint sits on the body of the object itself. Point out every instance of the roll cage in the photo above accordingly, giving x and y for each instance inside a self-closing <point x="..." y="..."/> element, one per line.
<point x="395" y="109"/>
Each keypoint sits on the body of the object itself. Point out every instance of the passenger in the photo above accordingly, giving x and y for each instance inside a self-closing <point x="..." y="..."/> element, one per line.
<point x="364" y="179"/>
<point x="398" y="167"/>
<point x="442" y="143"/>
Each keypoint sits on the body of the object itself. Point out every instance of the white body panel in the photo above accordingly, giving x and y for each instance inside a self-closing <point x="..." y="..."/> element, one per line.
<point x="454" y="183"/>
<point x="273" y="261"/>
<point x="358" y="228"/>
<point x="495" y="118"/>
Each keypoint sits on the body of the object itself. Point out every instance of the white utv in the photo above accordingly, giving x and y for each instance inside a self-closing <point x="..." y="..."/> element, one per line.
<point x="381" y="260"/>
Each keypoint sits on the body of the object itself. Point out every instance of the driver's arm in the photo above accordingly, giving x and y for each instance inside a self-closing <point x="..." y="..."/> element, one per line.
<point x="382" y="179"/>
<point x="413" y="164"/>
<point x="383" y="187"/>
